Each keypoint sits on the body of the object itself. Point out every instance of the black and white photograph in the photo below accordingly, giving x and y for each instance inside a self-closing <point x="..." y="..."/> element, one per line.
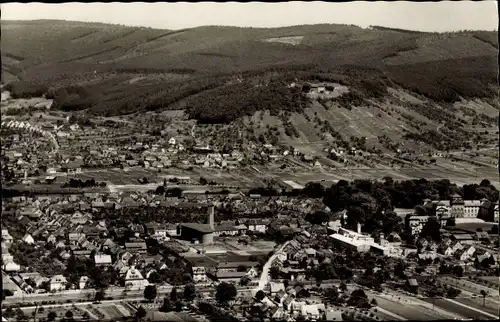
<point x="250" y="161"/>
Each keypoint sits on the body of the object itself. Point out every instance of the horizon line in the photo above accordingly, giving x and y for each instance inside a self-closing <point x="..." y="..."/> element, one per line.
<point x="241" y="27"/>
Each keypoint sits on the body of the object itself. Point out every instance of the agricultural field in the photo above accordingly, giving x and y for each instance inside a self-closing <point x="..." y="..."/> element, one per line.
<point x="101" y="311"/>
<point x="118" y="177"/>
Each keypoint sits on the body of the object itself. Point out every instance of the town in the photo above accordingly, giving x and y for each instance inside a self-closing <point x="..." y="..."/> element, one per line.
<point x="191" y="249"/>
<point x="186" y="162"/>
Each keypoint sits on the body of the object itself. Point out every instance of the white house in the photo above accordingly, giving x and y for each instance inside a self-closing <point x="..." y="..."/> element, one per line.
<point x="83" y="282"/>
<point x="28" y="239"/>
<point x="171" y="141"/>
<point x="58" y="282"/>
<point x="6" y="237"/>
<point x="134" y="279"/>
<point x="11" y="267"/>
<point x="102" y="260"/>
<point x="256" y="225"/>
<point x="200" y="274"/>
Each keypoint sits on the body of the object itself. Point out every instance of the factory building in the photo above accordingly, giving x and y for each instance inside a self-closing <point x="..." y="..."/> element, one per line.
<point x="199" y="233"/>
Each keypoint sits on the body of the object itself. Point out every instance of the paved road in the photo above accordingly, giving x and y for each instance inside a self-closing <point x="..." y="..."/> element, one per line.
<point x="264" y="277"/>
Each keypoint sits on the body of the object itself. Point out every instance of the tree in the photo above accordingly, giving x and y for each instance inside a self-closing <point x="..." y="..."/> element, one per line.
<point x="332" y="294"/>
<point x="225" y="292"/>
<point x="189" y="292"/>
<point x="69" y="316"/>
<point x="374" y="302"/>
<point x="20" y="316"/>
<point x="314" y="190"/>
<point x="241" y="268"/>
<point x="260" y="295"/>
<point x="453" y="292"/>
<point x="484" y="294"/>
<point x="343" y="287"/>
<point x="51" y="316"/>
<point x="274" y="272"/>
<point x="317" y="218"/>
<point x="173" y="295"/>
<point x="150" y="293"/>
<point x="431" y="229"/>
<point x="167" y="305"/>
<point x="160" y="190"/>
<point x="359" y="299"/>
<point x="99" y="295"/>
<point x="245" y="280"/>
<point x="140" y="313"/>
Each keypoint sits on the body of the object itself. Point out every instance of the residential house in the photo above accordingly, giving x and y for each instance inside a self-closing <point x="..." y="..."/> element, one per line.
<point x="58" y="283"/>
<point x="6" y="237"/>
<point x="83" y="282"/>
<point x="139" y="247"/>
<point x="276" y="287"/>
<point x="312" y="311"/>
<point x="463" y="238"/>
<point x="74" y="238"/>
<point x="134" y="279"/>
<point x="51" y="239"/>
<point x="231" y="277"/>
<point x="199" y="274"/>
<point x="102" y="260"/>
<point x="225" y="230"/>
<point x="11" y="266"/>
<point x="256" y="225"/>
<point x="235" y="266"/>
<point x="446" y="250"/>
<point x="462" y="255"/>
<point x="28" y="239"/>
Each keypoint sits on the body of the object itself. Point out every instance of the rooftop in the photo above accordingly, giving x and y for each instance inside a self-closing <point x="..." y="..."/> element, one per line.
<point x="202" y="228"/>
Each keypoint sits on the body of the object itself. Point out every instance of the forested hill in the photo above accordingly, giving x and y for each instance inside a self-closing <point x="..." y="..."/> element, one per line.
<point x="112" y="69"/>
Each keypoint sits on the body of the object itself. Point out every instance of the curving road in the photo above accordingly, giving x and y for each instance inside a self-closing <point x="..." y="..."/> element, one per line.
<point x="264" y="277"/>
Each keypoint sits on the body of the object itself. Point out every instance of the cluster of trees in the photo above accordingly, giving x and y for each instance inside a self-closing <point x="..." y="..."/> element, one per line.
<point x="29" y="256"/>
<point x="83" y="120"/>
<point x="23" y="89"/>
<point x="24" y="110"/>
<point x="72" y="98"/>
<point x="78" y="183"/>
<point x="225" y="104"/>
<point x="77" y="267"/>
<point x="169" y="192"/>
<point x="371" y="202"/>
<point x="471" y="81"/>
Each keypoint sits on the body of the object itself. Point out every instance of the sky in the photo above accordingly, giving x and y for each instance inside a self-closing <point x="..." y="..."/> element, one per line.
<point x="439" y="16"/>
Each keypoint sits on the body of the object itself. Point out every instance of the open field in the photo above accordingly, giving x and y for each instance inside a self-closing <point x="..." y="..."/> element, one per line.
<point x="459" y="309"/>
<point x="107" y="311"/>
<point x="117" y="176"/>
<point x="491" y="279"/>
<point x="251" y="176"/>
<point x="470" y="286"/>
<point x="408" y="311"/>
<point x="490" y="306"/>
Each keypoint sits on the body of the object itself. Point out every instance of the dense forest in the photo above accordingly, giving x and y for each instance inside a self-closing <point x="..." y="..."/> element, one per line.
<point x="226" y="104"/>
